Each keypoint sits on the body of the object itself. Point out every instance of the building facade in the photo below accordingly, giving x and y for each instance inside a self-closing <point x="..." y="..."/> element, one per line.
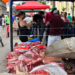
<point x="63" y="6"/>
<point x="2" y="7"/>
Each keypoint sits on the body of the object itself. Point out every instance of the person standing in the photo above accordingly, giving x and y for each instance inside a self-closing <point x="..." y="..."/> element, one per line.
<point x="56" y="28"/>
<point x="64" y="18"/>
<point x="1" y="31"/>
<point x="41" y="26"/>
<point x="22" y="25"/>
<point x="73" y="19"/>
<point x="0" y="19"/>
<point x="48" y="17"/>
<point x="13" y="18"/>
<point x="7" y="25"/>
<point x="3" y="21"/>
<point x="38" y="26"/>
<point x="61" y="14"/>
<point x="69" y="17"/>
<point x="0" y="23"/>
<point x="7" y="20"/>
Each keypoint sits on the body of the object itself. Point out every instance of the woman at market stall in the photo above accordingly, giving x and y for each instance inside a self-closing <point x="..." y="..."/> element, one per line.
<point x="23" y="26"/>
<point x="64" y="18"/>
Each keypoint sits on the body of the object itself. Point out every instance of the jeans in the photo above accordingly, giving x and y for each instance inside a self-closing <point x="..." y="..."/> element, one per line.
<point x="38" y="30"/>
<point x="41" y="31"/>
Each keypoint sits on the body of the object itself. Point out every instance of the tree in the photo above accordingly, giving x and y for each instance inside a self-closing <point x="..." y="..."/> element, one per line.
<point x="43" y="2"/>
<point x="63" y="9"/>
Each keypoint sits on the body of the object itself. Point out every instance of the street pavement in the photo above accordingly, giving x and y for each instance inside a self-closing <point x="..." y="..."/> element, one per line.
<point x="5" y="50"/>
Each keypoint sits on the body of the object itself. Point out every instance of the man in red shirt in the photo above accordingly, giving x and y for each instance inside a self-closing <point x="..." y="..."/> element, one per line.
<point x="56" y="28"/>
<point x="49" y="15"/>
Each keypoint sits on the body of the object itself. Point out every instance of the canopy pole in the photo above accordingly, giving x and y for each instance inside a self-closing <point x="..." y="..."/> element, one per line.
<point x="11" y="26"/>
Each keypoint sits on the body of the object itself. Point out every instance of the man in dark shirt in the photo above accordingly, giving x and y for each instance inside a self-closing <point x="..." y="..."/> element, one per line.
<point x="56" y="28"/>
<point x="39" y="25"/>
<point x="0" y="20"/>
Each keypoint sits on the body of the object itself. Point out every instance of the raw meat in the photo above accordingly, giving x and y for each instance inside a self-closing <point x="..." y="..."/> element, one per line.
<point x="40" y="72"/>
<point x="26" y="56"/>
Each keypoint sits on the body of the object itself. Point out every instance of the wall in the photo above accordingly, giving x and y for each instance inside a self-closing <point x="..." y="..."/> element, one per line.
<point x="2" y="7"/>
<point x="68" y="5"/>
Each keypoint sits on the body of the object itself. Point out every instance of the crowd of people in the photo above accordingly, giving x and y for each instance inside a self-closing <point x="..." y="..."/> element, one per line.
<point x="4" y="23"/>
<point x="50" y="25"/>
<point x="4" y="26"/>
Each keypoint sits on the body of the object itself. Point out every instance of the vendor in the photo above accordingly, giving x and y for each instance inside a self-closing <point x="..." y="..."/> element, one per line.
<point x="23" y="25"/>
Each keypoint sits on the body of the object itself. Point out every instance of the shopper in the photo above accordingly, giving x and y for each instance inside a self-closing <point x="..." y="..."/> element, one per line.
<point x="62" y="14"/>
<point x="23" y="26"/>
<point x="0" y="19"/>
<point x="39" y="25"/>
<point x="7" y="25"/>
<point x="69" y="17"/>
<point x="13" y="18"/>
<point x="3" y="21"/>
<point x="73" y="19"/>
<point x="48" y="16"/>
<point x="65" y="19"/>
<point x="1" y="42"/>
<point x="7" y="20"/>
<point x="73" y="22"/>
<point x="56" y="28"/>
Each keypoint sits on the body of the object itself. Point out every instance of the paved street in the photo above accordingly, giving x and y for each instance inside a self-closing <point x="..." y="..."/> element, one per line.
<point x="5" y="50"/>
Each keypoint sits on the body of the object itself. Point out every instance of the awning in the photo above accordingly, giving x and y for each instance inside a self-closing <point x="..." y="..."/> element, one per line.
<point x="46" y="0"/>
<point x="30" y="5"/>
<point x="30" y="10"/>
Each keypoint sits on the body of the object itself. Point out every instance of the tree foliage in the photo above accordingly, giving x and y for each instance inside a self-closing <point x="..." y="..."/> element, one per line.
<point x="43" y="2"/>
<point x="63" y="9"/>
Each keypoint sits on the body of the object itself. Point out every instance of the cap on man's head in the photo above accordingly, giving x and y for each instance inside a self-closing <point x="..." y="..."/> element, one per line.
<point x="54" y="8"/>
<point x="55" y="12"/>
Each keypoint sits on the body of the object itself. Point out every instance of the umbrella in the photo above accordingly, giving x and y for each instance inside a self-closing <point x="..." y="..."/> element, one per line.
<point x="46" y="0"/>
<point x="30" y="5"/>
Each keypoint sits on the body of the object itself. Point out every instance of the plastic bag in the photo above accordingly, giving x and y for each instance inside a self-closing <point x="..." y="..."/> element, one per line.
<point x="52" y="68"/>
<point x="63" y="48"/>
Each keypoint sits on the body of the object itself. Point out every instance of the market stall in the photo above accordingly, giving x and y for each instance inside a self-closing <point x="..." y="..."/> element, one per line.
<point x="30" y="57"/>
<point x="29" y="5"/>
<point x="24" y="54"/>
<point x="11" y="28"/>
